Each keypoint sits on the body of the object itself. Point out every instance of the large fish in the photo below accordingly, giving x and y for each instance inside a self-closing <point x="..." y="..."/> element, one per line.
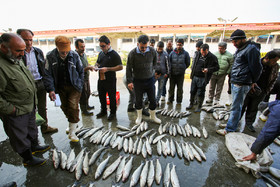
<point x="120" y="145"/>
<point x="164" y="127"/>
<point x="151" y="174"/>
<point x="99" y="138"/>
<point x="179" y="149"/>
<point x="70" y="159"/>
<point x="199" y="151"/>
<point x="101" y="167"/>
<point x="135" y="145"/>
<point x="116" y="142"/>
<point x="204" y="132"/>
<point x="110" y="169"/>
<point x="79" y="168"/>
<point x="185" y="153"/>
<point x="174" y="130"/>
<point x="112" y="141"/>
<point x="274" y="172"/>
<point x="63" y="160"/>
<point x="171" y="129"/>
<point x="158" y="172"/>
<point x="174" y="177"/>
<point x="95" y="155"/>
<point x="86" y="164"/>
<point x="167" y="147"/>
<point x="123" y="128"/>
<point x="107" y="141"/>
<point x="75" y="162"/>
<point x="144" y="174"/>
<point x="183" y="131"/>
<point x="125" y="145"/>
<point x="126" y="170"/>
<point x="179" y="130"/>
<point x="135" y="127"/>
<point x="83" y="131"/>
<point x="151" y="138"/>
<point x="93" y="137"/>
<point x="189" y="151"/>
<point x="130" y="145"/>
<point x="138" y="130"/>
<point x="105" y="137"/>
<point x="136" y="175"/>
<point x="139" y="147"/>
<point x="158" y="138"/>
<point x="144" y="150"/>
<point x="160" y="129"/>
<point x="55" y="159"/>
<point x="172" y="148"/>
<point x="148" y="147"/>
<point x="166" y="179"/>
<point x="195" y="153"/>
<point x="159" y="149"/>
<point x="145" y="125"/>
<point x="215" y="115"/>
<point x="146" y="133"/>
<point x="164" y="148"/>
<point x="132" y="133"/>
<point x="120" y="169"/>
<point x="122" y="133"/>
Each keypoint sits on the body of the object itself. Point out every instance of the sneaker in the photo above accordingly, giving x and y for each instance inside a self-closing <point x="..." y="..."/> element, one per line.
<point x="162" y="98"/>
<point x="251" y="128"/>
<point x="111" y="117"/>
<point x="263" y="118"/>
<point x="48" y="129"/>
<point x="222" y="132"/>
<point x="209" y="101"/>
<point x="222" y="125"/>
<point x="39" y="148"/>
<point x="35" y="161"/>
<point x="101" y="114"/>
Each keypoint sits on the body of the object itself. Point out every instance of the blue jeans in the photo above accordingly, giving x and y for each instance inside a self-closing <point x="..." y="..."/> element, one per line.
<point x="238" y="96"/>
<point x="160" y="81"/>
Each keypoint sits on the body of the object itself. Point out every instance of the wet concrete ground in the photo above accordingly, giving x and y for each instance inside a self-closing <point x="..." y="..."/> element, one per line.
<point x="218" y="170"/>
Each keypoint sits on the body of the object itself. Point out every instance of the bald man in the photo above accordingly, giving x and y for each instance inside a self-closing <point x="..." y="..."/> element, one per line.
<point x="18" y="100"/>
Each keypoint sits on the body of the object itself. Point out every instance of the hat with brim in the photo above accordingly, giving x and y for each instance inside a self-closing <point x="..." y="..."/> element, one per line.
<point x="238" y="34"/>
<point x="63" y="43"/>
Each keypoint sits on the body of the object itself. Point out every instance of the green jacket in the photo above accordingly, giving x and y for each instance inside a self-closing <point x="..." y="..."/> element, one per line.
<point x="85" y="64"/>
<point x="225" y="62"/>
<point x="17" y="87"/>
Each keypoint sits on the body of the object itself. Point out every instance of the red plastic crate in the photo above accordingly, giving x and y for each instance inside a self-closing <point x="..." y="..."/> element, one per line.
<point x="117" y="98"/>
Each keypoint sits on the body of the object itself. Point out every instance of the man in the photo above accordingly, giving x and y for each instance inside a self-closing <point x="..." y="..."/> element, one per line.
<point x="34" y="59"/>
<point x="152" y="43"/>
<point x="65" y="76"/>
<point x="197" y="52"/>
<point x="270" y="131"/>
<point x="18" y="100"/>
<point x="140" y="74"/>
<point x="179" y="62"/>
<point x="169" y="49"/>
<point x="80" y="49"/>
<point x="108" y="62"/>
<point x="225" y="60"/>
<point x="162" y="69"/>
<point x="266" y="82"/>
<point x="246" y="70"/>
<point x="204" y="64"/>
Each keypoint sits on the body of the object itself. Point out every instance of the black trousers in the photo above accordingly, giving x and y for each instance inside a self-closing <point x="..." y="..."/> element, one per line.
<point x="142" y="86"/>
<point x="85" y="93"/>
<point x="107" y="86"/>
<point x="21" y="130"/>
<point x="179" y="81"/>
<point x="42" y="101"/>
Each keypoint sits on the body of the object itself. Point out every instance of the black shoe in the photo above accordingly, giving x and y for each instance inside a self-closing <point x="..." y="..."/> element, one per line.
<point x="130" y="109"/>
<point x="87" y="113"/>
<point x="35" y="161"/>
<point x="90" y="107"/>
<point x="145" y="112"/>
<point x="189" y="107"/>
<point x="39" y="149"/>
<point x="101" y="114"/>
<point x="111" y="117"/>
<point x="251" y="128"/>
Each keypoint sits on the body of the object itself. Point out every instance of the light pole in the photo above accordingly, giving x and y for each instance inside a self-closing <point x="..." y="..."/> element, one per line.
<point x="225" y="21"/>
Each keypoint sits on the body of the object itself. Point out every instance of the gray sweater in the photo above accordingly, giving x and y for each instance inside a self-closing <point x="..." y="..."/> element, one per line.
<point x="140" y="66"/>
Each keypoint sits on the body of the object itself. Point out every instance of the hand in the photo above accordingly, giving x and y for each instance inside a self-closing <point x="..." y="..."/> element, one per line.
<point x="205" y="70"/>
<point x="253" y="87"/>
<point x="91" y="68"/>
<point x="130" y="86"/>
<point x="103" y="70"/>
<point x="165" y="76"/>
<point x="252" y="156"/>
<point x="52" y="95"/>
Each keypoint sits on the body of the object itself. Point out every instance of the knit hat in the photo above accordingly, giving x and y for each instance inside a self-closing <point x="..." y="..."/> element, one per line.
<point x="238" y="34"/>
<point x="63" y="43"/>
<point x="198" y="44"/>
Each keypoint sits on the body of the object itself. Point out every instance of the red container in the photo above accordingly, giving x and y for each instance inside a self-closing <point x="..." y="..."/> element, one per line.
<point x="117" y="98"/>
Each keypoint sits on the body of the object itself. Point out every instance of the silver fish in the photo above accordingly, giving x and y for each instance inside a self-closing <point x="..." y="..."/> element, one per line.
<point x="107" y="141"/>
<point x="183" y="131"/>
<point x="142" y="126"/>
<point x="79" y="168"/>
<point x="166" y="179"/>
<point x="193" y="131"/>
<point x="114" y="137"/>
<point x="122" y="133"/>
<point x="86" y="164"/>
<point x="185" y="152"/>
<point x="123" y="128"/>
<point x="195" y="153"/>
<point x="226" y="117"/>
<point x="63" y="160"/>
<point x="132" y="133"/>
<point x="174" y="177"/>
<point x="139" y="147"/>
<point x="178" y="114"/>
<point x="125" y="145"/>
<point x="120" y="145"/>
<point x="148" y="147"/>
<point x="105" y="137"/>
<point x="138" y="130"/>
<point x="172" y="148"/>
<point x="174" y="130"/>
<point x="95" y="155"/>
<point x="163" y="111"/>
<point x="110" y="169"/>
<point x="126" y="170"/>
<point x="89" y="133"/>
<point x="158" y="138"/>
<point x="55" y="159"/>
<point x="99" y="139"/>
<point x="75" y="162"/>
<point x="215" y="115"/>
<point x="145" y="125"/>
<point x="151" y="174"/>
<point x="101" y="167"/>
<point x="274" y="172"/>
<point x="158" y="172"/>
<point x="164" y="128"/>
<point x="116" y="142"/>
<point x="221" y="116"/>
<point x="189" y="151"/>
<point x="167" y="147"/>
<point x="144" y="150"/>
<point x="199" y="151"/>
<point x="160" y="129"/>
<point x="70" y="159"/>
<point x="171" y="129"/>
<point x="130" y="145"/>
<point x="159" y="149"/>
<point x="179" y="149"/>
<point x="135" y="127"/>
<point x="146" y="133"/>
<point x="83" y="131"/>
<point x="164" y="148"/>
<point x="120" y="169"/>
<point x="151" y="138"/>
<point x="204" y="132"/>
<point x="169" y="112"/>
<point x="136" y="175"/>
<point x="144" y="174"/>
<point x="179" y="130"/>
<point x="95" y="135"/>
<point x="198" y="134"/>
<point x="135" y="145"/>
<point x="188" y="129"/>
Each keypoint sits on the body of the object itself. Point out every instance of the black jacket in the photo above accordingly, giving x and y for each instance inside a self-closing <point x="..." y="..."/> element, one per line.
<point x="211" y="63"/>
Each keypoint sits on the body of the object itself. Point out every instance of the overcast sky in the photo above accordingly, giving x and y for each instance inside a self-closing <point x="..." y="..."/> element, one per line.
<point x="62" y="14"/>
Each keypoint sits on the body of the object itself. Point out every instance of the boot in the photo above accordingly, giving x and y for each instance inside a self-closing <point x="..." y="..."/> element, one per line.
<point x="228" y="103"/>
<point x="30" y="160"/>
<point x="67" y="129"/>
<point x="84" y="110"/>
<point x="39" y="148"/>
<point x="145" y="112"/>
<point x="199" y="104"/>
<point x="154" y="117"/>
<point x="139" y="117"/>
<point x="191" y="103"/>
<point x="72" y="129"/>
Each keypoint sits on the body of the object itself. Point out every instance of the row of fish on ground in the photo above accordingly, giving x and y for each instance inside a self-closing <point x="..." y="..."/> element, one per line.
<point x="146" y="172"/>
<point x="173" y="113"/>
<point x="219" y="112"/>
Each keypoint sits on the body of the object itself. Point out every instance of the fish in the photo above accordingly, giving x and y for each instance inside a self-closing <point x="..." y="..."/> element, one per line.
<point x="159" y="149"/>
<point x="187" y="113"/>
<point x="130" y="145"/>
<point x="226" y="117"/>
<point x="195" y="153"/>
<point x="188" y="128"/>
<point x="120" y="145"/>
<point x="142" y="126"/>
<point x="274" y="172"/>
<point x="164" y="127"/>
<point x="158" y="172"/>
<point x="116" y="142"/>
<point x="185" y="153"/>
<point x="136" y="175"/>
<point x="123" y="128"/>
<point x="166" y="179"/>
<point x="174" y="177"/>
<point x="204" y="132"/>
<point x="135" y="127"/>
<point x="221" y="116"/>
<point x="169" y="112"/>
<point x="172" y="148"/>
<point x="158" y="138"/>
<point x="174" y="130"/>
<point x="86" y="164"/>
<point x="163" y="111"/>
<point x="122" y="133"/>
<point x="144" y="174"/>
<point x="178" y="114"/>
<point x="179" y="149"/>
<point x="89" y="133"/>
<point x="99" y="138"/>
<point x="79" y="168"/>
<point x="199" y="151"/>
<point x="126" y="170"/>
<point x="179" y="130"/>
<point x="125" y="145"/>
<point x="110" y="169"/>
<point x="83" y="131"/>
<point x="101" y="167"/>
<point x="132" y="133"/>
<point x="151" y="174"/>
<point x="138" y="130"/>
<point x="144" y="150"/>
<point x="107" y="141"/>
<point x="95" y="155"/>
<point x="271" y="181"/>
<point x="160" y="129"/>
<point x="120" y="169"/>
<point x="135" y="145"/>
<point x="105" y="137"/>
<point x="215" y="115"/>
<point x="94" y="136"/>
<point x="55" y="159"/>
<point x="151" y="138"/>
<point x="164" y="148"/>
<point x="183" y="131"/>
<point x="146" y="133"/>
<point x="145" y="125"/>
<point x="189" y="151"/>
<point x="198" y="134"/>
<point x="139" y="147"/>
<point x="63" y="160"/>
<point x="171" y="129"/>
<point x="148" y="147"/>
<point x="70" y="159"/>
<point x="167" y="146"/>
<point x="75" y="162"/>
<point x="114" y="137"/>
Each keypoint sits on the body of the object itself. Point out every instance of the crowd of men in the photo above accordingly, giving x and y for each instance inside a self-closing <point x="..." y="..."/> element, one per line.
<point x="27" y="76"/>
